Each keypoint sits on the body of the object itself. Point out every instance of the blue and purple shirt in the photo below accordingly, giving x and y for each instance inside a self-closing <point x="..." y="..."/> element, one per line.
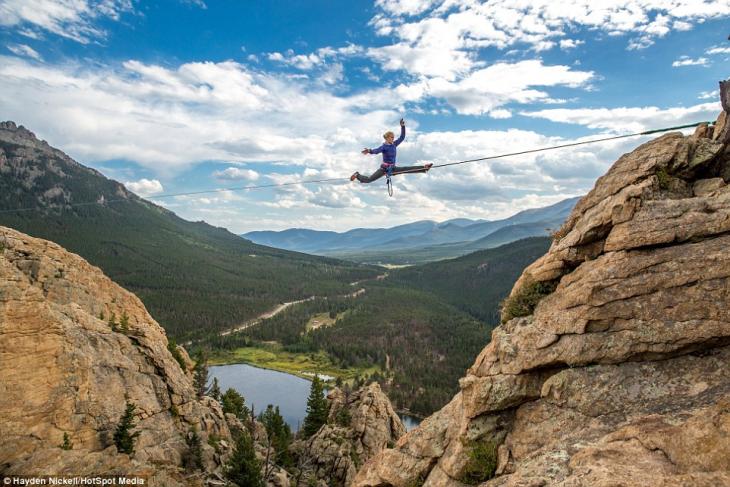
<point x="388" y="150"/>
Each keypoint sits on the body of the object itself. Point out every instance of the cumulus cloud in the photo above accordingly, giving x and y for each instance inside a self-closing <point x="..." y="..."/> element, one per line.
<point x="449" y="32"/>
<point x="237" y="174"/>
<point x="145" y="187"/>
<point x="73" y="19"/>
<point x="487" y="89"/>
<point x="167" y="119"/>
<point x="566" y="44"/>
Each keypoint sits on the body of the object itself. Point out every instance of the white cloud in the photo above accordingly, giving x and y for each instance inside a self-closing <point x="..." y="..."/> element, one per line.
<point x="167" y="119"/>
<point x="333" y="74"/>
<point x="630" y="119"/>
<point x="307" y="62"/>
<point x="405" y="7"/>
<point x="719" y="50"/>
<point x="687" y="61"/>
<point x="566" y="44"/>
<point x="500" y="113"/>
<point x="709" y="95"/>
<point x="24" y="50"/>
<point x="237" y="174"/>
<point x="450" y="32"/>
<point x="487" y="89"/>
<point x="145" y="187"/>
<point x="73" y="19"/>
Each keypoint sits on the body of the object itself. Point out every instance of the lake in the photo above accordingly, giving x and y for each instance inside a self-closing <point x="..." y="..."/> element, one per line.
<point x="261" y="387"/>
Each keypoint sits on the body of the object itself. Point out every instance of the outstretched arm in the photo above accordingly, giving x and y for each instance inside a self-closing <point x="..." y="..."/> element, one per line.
<point x="402" y="132"/>
<point x="377" y="150"/>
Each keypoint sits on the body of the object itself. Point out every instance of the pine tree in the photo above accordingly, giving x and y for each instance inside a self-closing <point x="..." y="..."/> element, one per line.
<point x="124" y="323"/>
<point x="215" y="390"/>
<point x="243" y="469"/>
<point x="113" y="322"/>
<point x="193" y="459"/>
<point x="200" y="374"/>
<point x="123" y="437"/>
<point x="234" y="403"/>
<point x="172" y="347"/>
<point x="279" y="434"/>
<point x="316" y="409"/>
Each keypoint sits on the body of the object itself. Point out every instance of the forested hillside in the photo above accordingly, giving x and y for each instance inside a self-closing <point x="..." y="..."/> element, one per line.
<point x="193" y="278"/>
<point x="477" y="282"/>
<point x="421" y="326"/>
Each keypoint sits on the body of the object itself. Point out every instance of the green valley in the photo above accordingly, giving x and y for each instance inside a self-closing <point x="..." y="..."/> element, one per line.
<point x="415" y="332"/>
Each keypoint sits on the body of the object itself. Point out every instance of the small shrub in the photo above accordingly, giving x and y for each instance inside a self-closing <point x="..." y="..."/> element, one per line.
<point x="214" y="441"/>
<point x="66" y="445"/>
<point x="193" y="458"/>
<point x="663" y="178"/>
<point x="560" y="233"/>
<point x="482" y="463"/>
<point x="343" y="417"/>
<point x="523" y="303"/>
<point x="418" y="481"/>
<point x="174" y="411"/>
<point x="355" y="458"/>
<point x="172" y="347"/>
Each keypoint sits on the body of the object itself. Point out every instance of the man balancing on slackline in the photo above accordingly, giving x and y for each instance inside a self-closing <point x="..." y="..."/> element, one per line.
<point x="388" y="166"/>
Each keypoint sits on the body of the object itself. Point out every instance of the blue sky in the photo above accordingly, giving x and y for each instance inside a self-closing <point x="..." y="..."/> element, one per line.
<point x="189" y="95"/>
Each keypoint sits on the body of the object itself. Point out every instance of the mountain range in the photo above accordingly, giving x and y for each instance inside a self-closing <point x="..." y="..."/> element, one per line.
<point x="197" y="280"/>
<point x="420" y="241"/>
<point x="194" y="278"/>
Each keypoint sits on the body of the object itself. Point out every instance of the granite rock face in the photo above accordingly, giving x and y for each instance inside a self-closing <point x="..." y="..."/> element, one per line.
<point x="65" y="369"/>
<point x="618" y="376"/>
<point x="360" y="425"/>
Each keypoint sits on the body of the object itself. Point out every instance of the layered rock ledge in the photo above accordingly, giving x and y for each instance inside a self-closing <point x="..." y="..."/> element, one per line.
<point x="618" y="376"/>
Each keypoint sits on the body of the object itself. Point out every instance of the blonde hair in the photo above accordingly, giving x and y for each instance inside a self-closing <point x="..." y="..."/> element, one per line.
<point x="386" y="134"/>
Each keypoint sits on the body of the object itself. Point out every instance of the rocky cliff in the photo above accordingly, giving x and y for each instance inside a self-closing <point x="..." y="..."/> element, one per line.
<point x="65" y="370"/>
<point x="360" y="424"/>
<point x="611" y="366"/>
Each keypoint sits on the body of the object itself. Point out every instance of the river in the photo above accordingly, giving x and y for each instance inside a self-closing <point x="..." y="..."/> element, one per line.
<point x="261" y="387"/>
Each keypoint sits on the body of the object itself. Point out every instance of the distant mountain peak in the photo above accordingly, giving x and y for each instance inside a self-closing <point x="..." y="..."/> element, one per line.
<point x="19" y="133"/>
<point x="40" y="175"/>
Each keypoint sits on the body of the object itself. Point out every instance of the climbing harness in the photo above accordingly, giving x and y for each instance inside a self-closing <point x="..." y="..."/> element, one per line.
<point x="388" y="167"/>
